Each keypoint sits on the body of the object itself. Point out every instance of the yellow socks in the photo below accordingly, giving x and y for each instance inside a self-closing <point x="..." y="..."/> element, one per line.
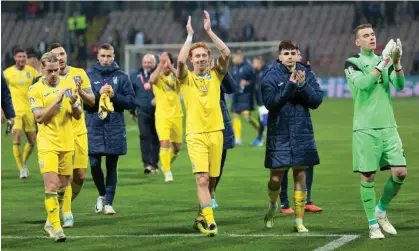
<point x="173" y="155"/>
<point x="300" y="198"/>
<point x="165" y="159"/>
<point x="18" y="155"/>
<point x="67" y="201"/>
<point x="60" y="197"/>
<point x="208" y="214"/>
<point x="27" y="152"/>
<point x="237" y="127"/>
<point x="51" y="205"/>
<point x="76" y="188"/>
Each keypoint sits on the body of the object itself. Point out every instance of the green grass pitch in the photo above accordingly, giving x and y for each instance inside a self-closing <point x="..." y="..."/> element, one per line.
<point x="151" y="213"/>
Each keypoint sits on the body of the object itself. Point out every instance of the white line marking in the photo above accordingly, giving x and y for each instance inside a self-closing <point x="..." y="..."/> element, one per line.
<point x="337" y="243"/>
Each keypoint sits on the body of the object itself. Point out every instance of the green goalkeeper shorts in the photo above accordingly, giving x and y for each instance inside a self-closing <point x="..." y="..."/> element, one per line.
<point x="373" y="148"/>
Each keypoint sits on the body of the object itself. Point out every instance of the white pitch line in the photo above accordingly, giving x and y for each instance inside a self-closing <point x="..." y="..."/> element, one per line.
<point x="337" y="243"/>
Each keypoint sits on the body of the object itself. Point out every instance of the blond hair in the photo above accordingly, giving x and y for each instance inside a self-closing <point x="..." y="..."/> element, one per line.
<point x="49" y="57"/>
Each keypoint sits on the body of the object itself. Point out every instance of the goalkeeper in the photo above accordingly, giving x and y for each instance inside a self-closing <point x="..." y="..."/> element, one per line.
<point x="376" y="142"/>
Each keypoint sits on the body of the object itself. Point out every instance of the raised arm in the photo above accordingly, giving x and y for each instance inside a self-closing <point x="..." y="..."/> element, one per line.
<point x="182" y="68"/>
<point x="397" y="76"/>
<point x="222" y="62"/>
<point x="155" y="75"/>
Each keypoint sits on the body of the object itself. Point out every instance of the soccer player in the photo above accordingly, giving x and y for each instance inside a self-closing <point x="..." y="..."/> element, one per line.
<point x="204" y="121"/>
<point x="82" y="82"/>
<point x="145" y="112"/>
<point x="107" y="135"/>
<point x="376" y="142"/>
<point x="19" y="77"/>
<point x="54" y="103"/>
<point x="168" y="113"/>
<point x="260" y="69"/>
<point x="289" y="90"/>
<point x="243" y="100"/>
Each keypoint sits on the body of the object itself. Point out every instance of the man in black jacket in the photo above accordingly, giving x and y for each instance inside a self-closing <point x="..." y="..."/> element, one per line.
<point x="145" y="108"/>
<point x="7" y="111"/>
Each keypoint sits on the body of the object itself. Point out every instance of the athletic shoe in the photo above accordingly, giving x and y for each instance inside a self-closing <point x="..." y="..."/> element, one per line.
<point x="168" y="177"/>
<point x="211" y="231"/>
<point x="109" y="210"/>
<point x="270" y="216"/>
<point x="312" y="208"/>
<point x="99" y="204"/>
<point x="257" y="142"/>
<point x="300" y="228"/>
<point x="147" y="169"/>
<point x="68" y="221"/>
<point x="214" y="203"/>
<point x="375" y="233"/>
<point x="154" y="170"/>
<point x="386" y="225"/>
<point x="287" y="211"/>
<point x="198" y="224"/>
<point x="238" y="142"/>
<point x="59" y="235"/>
<point x="24" y="172"/>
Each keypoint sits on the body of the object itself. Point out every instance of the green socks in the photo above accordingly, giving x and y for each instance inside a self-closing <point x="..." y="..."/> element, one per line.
<point x="369" y="201"/>
<point x="391" y="188"/>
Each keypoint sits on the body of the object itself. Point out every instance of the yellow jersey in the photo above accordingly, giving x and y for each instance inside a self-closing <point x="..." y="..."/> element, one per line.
<point x="166" y="90"/>
<point x="201" y="94"/>
<point x="57" y="134"/>
<point x="79" y="126"/>
<point x="19" y="82"/>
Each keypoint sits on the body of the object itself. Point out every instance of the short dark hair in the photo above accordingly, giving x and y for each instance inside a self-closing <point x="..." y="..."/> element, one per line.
<point x="18" y="50"/>
<point x="361" y="27"/>
<point x="288" y="45"/>
<point x="105" y="46"/>
<point x="54" y="46"/>
<point x="260" y="58"/>
<point x="238" y="52"/>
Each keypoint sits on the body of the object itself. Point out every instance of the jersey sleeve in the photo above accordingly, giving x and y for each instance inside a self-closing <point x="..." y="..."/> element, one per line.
<point x="357" y="77"/>
<point x="397" y="82"/>
<point x="35" y="99"/>
<point x="85" y="81"/>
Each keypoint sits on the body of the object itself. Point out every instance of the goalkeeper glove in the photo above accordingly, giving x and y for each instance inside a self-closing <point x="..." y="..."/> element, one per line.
<point x="263" y="115"/>
<point x="385" y="57"/>
<point x="396" y="55"/>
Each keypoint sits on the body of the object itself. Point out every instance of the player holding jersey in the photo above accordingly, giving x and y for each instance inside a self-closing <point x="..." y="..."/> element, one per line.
<point x="204" y="121"/>
<point x="168" y="113"/>
<point x="376" y="142"/>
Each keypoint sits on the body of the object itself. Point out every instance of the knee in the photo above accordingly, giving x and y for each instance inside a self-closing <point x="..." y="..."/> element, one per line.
<point x="275" y="179"/>
<point x="246" y="118"/>
<point x="79" y="175"/>
<point x="176" y="148"/>
<point x="402" y="174"/>
<point x="202" y="180"/>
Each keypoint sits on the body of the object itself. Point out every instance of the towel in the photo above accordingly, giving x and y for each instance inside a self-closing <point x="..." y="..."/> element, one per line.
<point x="105" y="104"/>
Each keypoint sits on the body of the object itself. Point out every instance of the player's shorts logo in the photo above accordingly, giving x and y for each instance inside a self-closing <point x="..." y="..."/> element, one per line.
<point x="193" y="166"/>
<point x="41" y="164"/>
<point x="31" y="101"/>
<point x="28" y="75"/>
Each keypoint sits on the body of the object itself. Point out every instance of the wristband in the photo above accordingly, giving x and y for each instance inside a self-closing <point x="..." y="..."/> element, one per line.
<point x="76" y="104"/>
<point x="189" y="38"/>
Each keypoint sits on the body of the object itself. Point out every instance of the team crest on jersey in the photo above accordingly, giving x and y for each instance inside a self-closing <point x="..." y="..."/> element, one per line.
<point x="31" y="101"/>
<point x="28" y="75"/>
<point x="350" y="70"/>
<point x="115" y="80"/>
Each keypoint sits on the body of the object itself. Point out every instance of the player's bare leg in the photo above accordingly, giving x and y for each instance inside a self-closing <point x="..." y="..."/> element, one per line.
<point x="391" y="188"/>
<point x="300" y="197"/>
<point x="204" y="197"/>
<point x="274" y="186"/>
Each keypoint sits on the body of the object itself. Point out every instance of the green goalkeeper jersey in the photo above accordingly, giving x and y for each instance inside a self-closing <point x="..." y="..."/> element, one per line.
<point x="372" y="101"/>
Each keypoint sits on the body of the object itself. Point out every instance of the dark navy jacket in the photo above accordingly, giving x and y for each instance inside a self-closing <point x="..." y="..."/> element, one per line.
<point x="290" y="137"/>
<point x="259" y="78"/>
<point x="243" y="98"/>
<point x="108" y="136"/>
<point x="6" y="99"/>
<point x="142" y="98"/>
<point x="228" y="86"/>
